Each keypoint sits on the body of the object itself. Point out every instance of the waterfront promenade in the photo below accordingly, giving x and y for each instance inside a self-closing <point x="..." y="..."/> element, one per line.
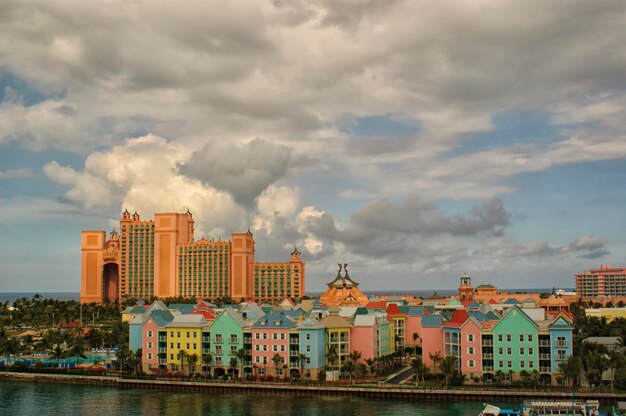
<point x="362" y="390"/>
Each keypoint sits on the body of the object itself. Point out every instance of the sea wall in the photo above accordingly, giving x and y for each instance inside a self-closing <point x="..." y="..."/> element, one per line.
<point x="373" y="390"/>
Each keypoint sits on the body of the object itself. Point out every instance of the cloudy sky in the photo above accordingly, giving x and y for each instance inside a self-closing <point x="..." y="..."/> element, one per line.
<point x="415" y="140"/>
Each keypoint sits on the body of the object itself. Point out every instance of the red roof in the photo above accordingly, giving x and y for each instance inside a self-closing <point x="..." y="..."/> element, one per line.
<point x="393" y="310"/>
<point x="492" y="302"/>
<point x="459" y="317"/>
<point x="381" y="304"/>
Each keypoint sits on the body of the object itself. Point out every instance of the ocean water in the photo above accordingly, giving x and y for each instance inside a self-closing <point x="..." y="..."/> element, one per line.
<point x="24" y="398"/>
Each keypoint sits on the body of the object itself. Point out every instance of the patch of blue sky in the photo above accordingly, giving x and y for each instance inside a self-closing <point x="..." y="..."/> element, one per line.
<point x="14" y="88"/>
<point x="12" y="156"/>
<point x="510" y="129"/>
<point x="325" y="193"/>
<point x="379" y="125"/>
<point x="569" y="201"/>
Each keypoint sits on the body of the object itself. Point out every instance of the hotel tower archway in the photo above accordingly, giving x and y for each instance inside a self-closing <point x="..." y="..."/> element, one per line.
<point x="110" y="282"/>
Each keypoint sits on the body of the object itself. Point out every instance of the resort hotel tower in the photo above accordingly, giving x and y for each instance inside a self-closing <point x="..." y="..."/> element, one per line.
<point x="160" y="258"/>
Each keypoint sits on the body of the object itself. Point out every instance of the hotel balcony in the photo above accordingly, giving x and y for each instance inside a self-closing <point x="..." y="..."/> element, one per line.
<point x="247" y="340"/>
<point x="545" y="357"/>
<point x="561" y="344"/>
<point x="487" y="368"/>
<point x="206" y="339"/>
<point x="487" y="342"/>
<point x="294" y="341"/>
<point x="163" y="350"/>
<point x="206" y="351"/>
<point x="544" y="343"/>
<point x="487" y="356"/>
<point x="545" y="369"/>
<point x="162" y="338"/>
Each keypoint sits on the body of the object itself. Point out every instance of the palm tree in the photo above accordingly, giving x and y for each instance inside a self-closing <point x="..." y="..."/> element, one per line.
<point x="436" y="358"/>
<point x="182" y="354"/>
<point x="277" y="359"/>
<point x="301" y="360"/>
<point x="233" y="366"/>
<point x="535" y="377"/>
<point x="616" y="362"/>
<point x="349" y="367"/>
<point x="241" y="354"/>
<point x="207" y="359"/>
<point x="570" y="369"/>
<point x="192" y="360"/>
<point x="332" y="357"/>
<point x="415" y="337"/>
<point x="371" y="367"/>
<point x="417" y="365"/>
<point x="448" y="368"/>
<point x="57" y="353"/>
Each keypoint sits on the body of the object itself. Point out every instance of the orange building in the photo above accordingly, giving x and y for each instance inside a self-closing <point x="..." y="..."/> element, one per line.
<point x="159" y="258"/>
<point x="343" y="291"/>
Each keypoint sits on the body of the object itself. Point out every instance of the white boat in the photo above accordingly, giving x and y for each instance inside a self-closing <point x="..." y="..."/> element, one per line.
<point x="547" y="408"/>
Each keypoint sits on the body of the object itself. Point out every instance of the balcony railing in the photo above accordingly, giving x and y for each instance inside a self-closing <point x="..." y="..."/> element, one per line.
<point x="294" y="353"/>
<point x="294" y="341"/>
<point x="162" y="338"/>
<point x="247" y="340"/>
<point x="162" y="361"/>
<point x="487" y="342"/>
<point x="161" y="349"/>
<point x="487" y="368"/>
<point x="206" y="339"/>
<point x="561" y="357"/>
<point x="487" y="356"/>
<point x="544" y="343"/>
<point x="545" y="369"/>
<point x="206" y="351"/>
<point x="561" y="344"/>
<point x="544" y="356"/>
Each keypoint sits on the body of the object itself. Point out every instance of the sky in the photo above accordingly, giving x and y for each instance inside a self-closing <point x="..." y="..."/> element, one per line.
<point x="414" y="140"/>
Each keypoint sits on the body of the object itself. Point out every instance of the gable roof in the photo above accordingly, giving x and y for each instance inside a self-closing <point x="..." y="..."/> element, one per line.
<point x="381" y="304"/>
<point x="274" y="320"/>
<point x="454" y="302"/>
<point x="511" y="301"/>
<point x="416" y="311"/>
<point x="393" y="310"/>
<point x="335" y="321"/>
<point x="430" y="321"/>
<point x="161" y="318"/>
<point x="514" y="311"/>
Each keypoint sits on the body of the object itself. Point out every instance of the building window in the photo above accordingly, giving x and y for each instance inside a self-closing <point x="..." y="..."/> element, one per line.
<point x="233" y="349"/>
<point x="308" y="348"/>
<point x="470" y="363"/>
<point x="508" y="351"/>
<point x="530" y="337"/>
<point x="282" y="336"/>
<point x="521" y="337"/>
<point x="500" y="363"/>
<point x="149" y="334"/>
<point x="470" y="350"/>
<point x="530" y="351"/>
<point x="233" y="338"/>
<point x="256" y="336"/>
<point x="178" y="334"/>
<point x="521" y="351"/>
<point x="178" y="345"/>
<point x="530" y="364"/>
<point x="521" y="364"/>
<point x="308" y="337"/>
<point x="508" y="337"/>
<point x="149" y="344"/>
<point x="470" y="337"/>
<point x="500" y="337"/>
<point x="500" y="350"/>
<point x="149" y="356"/>
<point x="509" y="364"/>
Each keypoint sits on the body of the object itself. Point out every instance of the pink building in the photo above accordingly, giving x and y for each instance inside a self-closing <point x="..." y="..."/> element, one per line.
<point x="432" y="338"/>
<point x="364" y="336"/>
<point x="270" y="336"/>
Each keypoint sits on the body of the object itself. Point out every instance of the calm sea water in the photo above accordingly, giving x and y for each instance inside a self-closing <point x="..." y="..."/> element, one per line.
<point x="23" y="398"/>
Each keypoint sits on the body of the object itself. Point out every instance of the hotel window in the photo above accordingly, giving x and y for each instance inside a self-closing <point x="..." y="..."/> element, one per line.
<point x="194" y="345"/>
<point x="187" y="345"/>
<point x="233" y="338"/>
<point x="275" y="348"/>
<point x="282" y="336"/>
<point x="500" y="363"/>
<point x="264" y="335"/>
<point x="171" y="356"/>
<point x="187" y="334"/>
<point x="172" y="334"/>
<point x="308" y="360"/>
<point x="274" y="335"/>
<point x="264" y="347"/>
<point x="530" y="364"/>
<point x="194" y="334"/>
<point x="178" y="334"/>
<point x="256" y="336"/>
<point x="171" y="345"/>
<point x="178" y="345"/>
<point x="233" y="349"/>
<point x="282" y="348"/>
<point x="256" y="347"/>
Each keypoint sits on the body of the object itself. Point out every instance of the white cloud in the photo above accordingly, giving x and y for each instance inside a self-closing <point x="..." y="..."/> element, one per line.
<point x="16" y="173"/>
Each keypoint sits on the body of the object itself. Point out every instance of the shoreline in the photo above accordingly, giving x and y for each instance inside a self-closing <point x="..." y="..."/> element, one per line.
<point x="277" y="388"/>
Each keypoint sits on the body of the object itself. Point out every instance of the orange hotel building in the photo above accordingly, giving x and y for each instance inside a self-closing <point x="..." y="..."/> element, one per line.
<point x="159" y="258"/>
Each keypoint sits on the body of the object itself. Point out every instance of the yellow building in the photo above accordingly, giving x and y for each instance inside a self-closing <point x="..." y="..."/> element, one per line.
<point x="337" y="337"/>
<point x="608" y="313"/>
<point x="184" y="333"/>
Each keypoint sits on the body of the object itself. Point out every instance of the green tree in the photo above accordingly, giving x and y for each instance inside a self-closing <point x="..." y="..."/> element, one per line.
<point x="277" y="359"/>
<point x="301" y="360"/>
<point x="570" y="369"/>
<point x="448" y="368"/>
<point x="182" y="356"/>
<point x="332" y="357"/>
<point x="192" y="360"/>
<point x="241" y="354"/>
<point x="207" y="360"/>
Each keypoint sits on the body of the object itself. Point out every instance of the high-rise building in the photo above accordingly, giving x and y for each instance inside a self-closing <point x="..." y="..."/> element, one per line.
<point x="159" y="258"/>
<point x="606" y="281"/>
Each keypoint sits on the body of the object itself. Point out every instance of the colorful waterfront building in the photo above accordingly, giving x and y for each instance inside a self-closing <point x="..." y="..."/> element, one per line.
<point x="312" y="336"/>
<point x="271" y="344"/>
<point x="160" y="258"/>
<point x="337" y="338"/>
<point x="227" y="333"/>
<point x="184" y="333"/>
